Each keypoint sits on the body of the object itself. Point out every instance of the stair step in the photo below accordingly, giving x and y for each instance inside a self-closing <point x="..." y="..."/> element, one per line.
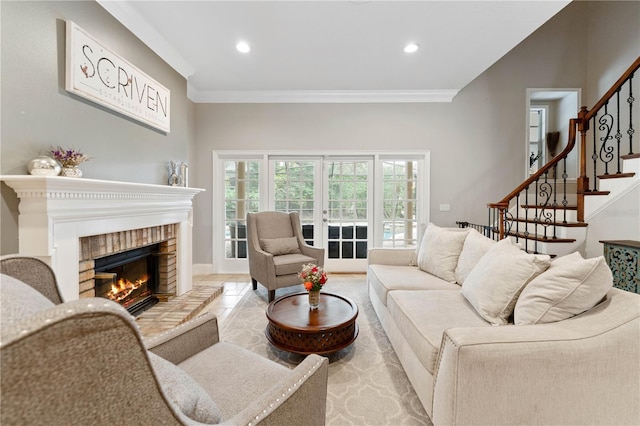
<point x="540" y="238"/>
<point x="630" y="156"/>
<point x="558" y="207"/>
<point x="616" y="176"/>
<point x="597" y="192"/>
<point x="564" y="224"/>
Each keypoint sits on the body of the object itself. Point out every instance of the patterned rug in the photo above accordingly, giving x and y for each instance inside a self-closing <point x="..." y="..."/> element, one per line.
<point x="367" y="385"/>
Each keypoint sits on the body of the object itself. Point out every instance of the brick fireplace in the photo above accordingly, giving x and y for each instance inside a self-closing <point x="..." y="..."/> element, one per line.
<point x="69" y="222"/>
<point x="101" y="246"/>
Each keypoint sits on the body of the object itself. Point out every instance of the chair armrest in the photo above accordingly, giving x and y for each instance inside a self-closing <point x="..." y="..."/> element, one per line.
<point x="391" y="256"/>
<point x="576" y="371"/>
<point x="299" y="398"/>
<point x="315" y="252"/>
<point x="186" y="339"/>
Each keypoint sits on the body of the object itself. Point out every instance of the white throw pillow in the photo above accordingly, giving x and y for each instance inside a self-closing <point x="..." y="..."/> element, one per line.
<point x="494" y="284"/>
<point x="421" y="229"/>
<point x="440" y="249"/>
<point x="569" y="287"/>
<point x="475" y="246"/>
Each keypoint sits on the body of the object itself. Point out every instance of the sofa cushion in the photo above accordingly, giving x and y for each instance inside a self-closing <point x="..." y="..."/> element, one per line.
<point x="291" y="263"/>
<point x="279" y="246"/>
<point x="475" y="246"/>
<point x="569" y="287"/>
<point x="386" y="278"/>
<point x="423" y="316"/>
<point x="184" y="392"/>
<point x="440" y="249"/>
<point x="494" y="284"/>
<point x="19" y="300"/>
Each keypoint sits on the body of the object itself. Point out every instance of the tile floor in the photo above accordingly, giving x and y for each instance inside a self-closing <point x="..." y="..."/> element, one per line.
<point x="217" y="293"/>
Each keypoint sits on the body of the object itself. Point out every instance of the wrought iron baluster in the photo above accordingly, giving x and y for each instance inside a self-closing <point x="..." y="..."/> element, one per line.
<point x="594" y="156"/>
<point x="555" y="200"/>
<point x="618" y="133"/>
<point x="526" y="217"/>
<point x="606" y="125"/>
<point x="517" y="215"/>
<point x="545" y="214"/>
<point x="630" y="101"/>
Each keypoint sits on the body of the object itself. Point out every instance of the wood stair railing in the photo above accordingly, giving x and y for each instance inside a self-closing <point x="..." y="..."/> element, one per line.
<point x="537" y="209"/>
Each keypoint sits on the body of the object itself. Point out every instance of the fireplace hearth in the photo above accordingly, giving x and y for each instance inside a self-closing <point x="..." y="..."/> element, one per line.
<point x="129" y="278"/>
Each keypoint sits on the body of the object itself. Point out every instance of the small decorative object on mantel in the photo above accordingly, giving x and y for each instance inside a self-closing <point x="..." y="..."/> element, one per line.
<point x="184" y="174"/>
<point x="43" y="165"/>
<point x="178" y="174"/>
<point x="174" y="178"/>
<point x="69" y="158"/>
<point x="313" y="277"/>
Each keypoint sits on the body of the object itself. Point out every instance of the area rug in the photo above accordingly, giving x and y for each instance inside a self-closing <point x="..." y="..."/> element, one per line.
<point x="367" y="385"/>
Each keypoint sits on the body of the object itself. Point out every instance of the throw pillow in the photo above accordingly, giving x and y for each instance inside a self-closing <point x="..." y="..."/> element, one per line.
<point x="475" y="246"/>
<point x="184" y="392"/>
<point x="19" y="300"/>
<point x="494" y="284"/>
<point x="280" y="246"/>
<point x="414" y="258"/>
<point x="440" y="249"/>
<point x="569" y="287"/>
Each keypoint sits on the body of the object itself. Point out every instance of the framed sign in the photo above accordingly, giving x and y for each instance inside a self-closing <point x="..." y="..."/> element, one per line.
<point x="98" y="74"/>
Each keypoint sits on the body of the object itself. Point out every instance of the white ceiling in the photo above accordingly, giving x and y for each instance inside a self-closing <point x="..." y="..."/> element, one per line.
<point x="331" y="51"/>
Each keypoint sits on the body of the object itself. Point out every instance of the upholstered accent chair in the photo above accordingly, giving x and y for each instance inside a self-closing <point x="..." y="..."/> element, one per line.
<point x="85" y="362"/>
<point x="277" y="250"/>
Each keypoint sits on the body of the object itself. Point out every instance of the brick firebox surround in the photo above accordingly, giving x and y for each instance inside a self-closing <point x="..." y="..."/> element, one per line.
<point x="97" y="246"/>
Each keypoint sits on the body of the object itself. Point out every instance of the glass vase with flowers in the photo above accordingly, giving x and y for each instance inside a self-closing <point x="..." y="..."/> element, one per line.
<point x="313" y="278"/>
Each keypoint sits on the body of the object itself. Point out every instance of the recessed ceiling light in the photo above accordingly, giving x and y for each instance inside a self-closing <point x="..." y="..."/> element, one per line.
<point x="243" y="47"/>
<point x="411" y="48"/>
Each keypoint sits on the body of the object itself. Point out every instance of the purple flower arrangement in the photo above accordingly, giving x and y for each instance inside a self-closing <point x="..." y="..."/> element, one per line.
<point x="69" y="157"/>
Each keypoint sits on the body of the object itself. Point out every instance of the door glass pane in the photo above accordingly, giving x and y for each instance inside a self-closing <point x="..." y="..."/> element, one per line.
<point x="347" y="215"/>
<point x="242" y="193"/>
<point x="399" y="203"/>
<point x="294" y="191"/>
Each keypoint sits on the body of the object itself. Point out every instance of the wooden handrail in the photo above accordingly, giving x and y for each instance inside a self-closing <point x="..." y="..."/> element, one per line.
<point x="618" y="84"/>
<point x="555" y="160"/>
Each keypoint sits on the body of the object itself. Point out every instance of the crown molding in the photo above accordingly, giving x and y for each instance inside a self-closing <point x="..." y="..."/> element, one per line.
<point x="134" y="22"/>
<point x="320" y="96"/>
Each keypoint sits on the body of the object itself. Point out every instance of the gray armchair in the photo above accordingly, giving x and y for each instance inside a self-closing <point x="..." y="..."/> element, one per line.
<point x="85" y="362"/>
<point x="277" y="250"/>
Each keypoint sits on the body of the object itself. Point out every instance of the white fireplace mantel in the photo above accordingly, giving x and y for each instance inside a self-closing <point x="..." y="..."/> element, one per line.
<point x="55" y="212"/>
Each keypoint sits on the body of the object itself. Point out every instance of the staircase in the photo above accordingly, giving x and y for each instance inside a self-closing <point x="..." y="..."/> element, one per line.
<point x="548" y="212"/>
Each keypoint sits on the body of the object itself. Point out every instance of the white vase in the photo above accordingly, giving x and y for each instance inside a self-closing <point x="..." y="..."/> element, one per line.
<point x="73" y="171"/>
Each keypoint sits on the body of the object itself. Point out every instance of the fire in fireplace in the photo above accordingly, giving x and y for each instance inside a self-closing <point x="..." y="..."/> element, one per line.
<point x="129" y="278"/>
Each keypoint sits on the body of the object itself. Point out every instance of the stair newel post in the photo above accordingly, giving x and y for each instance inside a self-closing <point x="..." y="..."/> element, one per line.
<point x="583" y="179"/>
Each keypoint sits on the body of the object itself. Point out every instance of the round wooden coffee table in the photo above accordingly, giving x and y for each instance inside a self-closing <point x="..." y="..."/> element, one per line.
<point x="293" y="327"/>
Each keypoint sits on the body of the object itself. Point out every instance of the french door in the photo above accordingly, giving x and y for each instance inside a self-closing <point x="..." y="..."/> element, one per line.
<point x="347" y="203"/>
<point x="333" y="196"/>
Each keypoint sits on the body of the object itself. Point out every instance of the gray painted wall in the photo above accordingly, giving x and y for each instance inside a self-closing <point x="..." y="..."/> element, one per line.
<point x="37" y="112"/>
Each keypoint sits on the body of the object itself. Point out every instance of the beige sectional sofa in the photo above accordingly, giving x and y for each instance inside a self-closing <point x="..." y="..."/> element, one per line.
<point x="572" y="358"/>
